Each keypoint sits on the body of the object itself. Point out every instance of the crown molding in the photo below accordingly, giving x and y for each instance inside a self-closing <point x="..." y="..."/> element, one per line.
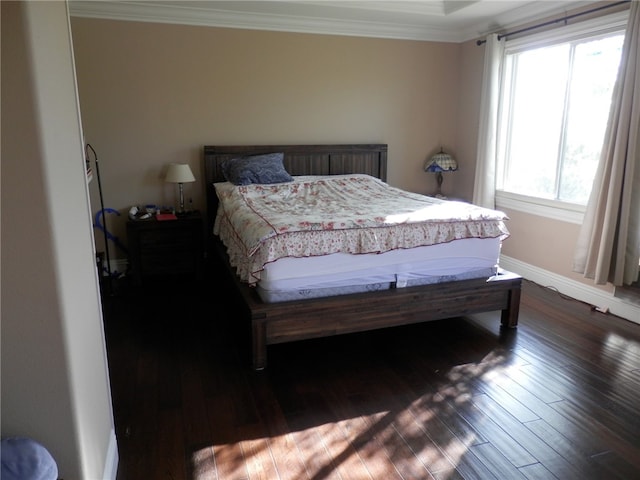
<point x="191" y="13"/>
<point x="531" y="12"/>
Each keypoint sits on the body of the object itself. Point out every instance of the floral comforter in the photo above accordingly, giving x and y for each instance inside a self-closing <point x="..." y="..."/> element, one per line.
<point x="319" y="215"/>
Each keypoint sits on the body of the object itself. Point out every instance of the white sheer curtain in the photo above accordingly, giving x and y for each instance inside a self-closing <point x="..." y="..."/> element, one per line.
<point x="608" y="248"/>
<point x="484" y="189"/>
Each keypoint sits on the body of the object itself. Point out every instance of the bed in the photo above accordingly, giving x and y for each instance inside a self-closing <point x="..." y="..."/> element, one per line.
<point x="283" y="302"/>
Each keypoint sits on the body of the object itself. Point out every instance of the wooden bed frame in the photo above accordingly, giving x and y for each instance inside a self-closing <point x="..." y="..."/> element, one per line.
<point x="273" y="323"/>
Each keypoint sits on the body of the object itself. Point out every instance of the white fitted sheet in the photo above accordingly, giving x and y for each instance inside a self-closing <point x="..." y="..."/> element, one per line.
<point x="461" y="258"/>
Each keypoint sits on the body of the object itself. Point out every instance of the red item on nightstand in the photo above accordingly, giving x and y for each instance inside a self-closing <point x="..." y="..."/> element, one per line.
<point x="166" y="216"/>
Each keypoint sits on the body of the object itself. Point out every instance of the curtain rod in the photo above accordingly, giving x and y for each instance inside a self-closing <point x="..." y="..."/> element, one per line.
<point x="551" y="22"/>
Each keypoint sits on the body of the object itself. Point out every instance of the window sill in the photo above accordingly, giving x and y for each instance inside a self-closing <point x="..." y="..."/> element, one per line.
<point x="556" y="210"/>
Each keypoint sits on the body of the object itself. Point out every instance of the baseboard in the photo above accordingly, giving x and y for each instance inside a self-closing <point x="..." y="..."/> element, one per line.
<point x="111" y="462"/>
<point x="605" y="301"/>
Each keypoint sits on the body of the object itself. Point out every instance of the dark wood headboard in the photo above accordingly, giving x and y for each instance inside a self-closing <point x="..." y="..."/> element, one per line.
<point x="298" y="160"/>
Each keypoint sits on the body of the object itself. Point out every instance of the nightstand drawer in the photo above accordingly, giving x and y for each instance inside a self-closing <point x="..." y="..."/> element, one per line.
<point x="166" y="240"/>
<point x="165" y="249"/>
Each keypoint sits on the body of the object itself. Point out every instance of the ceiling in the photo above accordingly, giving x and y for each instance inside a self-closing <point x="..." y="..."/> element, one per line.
<point x="431" y="20"/>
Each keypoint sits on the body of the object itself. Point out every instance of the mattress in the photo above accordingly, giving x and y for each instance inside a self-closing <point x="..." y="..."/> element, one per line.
<point x="304" y="226"/>
<point x="340" y="273"/>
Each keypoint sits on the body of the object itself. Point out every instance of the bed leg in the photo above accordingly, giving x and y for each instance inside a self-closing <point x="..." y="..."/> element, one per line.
<point x="510" y="314"/>
<point x="259" y="340"/>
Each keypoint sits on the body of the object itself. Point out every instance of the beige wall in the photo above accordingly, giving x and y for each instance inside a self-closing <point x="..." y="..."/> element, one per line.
<point x="545" y="243"/>
<point x="152" y="94"/>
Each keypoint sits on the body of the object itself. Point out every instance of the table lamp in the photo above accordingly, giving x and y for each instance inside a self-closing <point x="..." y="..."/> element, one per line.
<point x="179" y="173"/>
<point x="440" y="162"/>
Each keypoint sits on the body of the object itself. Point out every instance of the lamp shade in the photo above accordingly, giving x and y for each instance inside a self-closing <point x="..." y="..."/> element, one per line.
<point x="179" y="173"/>
<point x="441" y="162"/>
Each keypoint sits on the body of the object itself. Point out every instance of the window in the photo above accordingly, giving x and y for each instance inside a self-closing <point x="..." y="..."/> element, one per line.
<point x="553" y="115"/>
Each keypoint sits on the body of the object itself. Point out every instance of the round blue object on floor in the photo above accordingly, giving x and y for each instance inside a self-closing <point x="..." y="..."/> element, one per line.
<point x="26" y="459"/>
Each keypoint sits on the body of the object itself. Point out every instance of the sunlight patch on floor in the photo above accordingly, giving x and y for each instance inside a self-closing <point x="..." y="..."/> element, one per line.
<point x="204" y="463"/>
<point x="622" y="353"/>
<point x="350" y="443"/>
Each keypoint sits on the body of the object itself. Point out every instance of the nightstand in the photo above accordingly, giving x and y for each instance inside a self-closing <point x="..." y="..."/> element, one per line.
<point x="166" y="250"/>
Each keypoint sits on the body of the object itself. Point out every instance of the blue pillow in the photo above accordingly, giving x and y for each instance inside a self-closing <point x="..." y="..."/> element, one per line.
<point x="267" y="168"/>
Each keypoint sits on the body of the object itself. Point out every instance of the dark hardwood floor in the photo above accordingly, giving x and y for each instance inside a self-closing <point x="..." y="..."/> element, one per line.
<point x="558" y="397"/>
